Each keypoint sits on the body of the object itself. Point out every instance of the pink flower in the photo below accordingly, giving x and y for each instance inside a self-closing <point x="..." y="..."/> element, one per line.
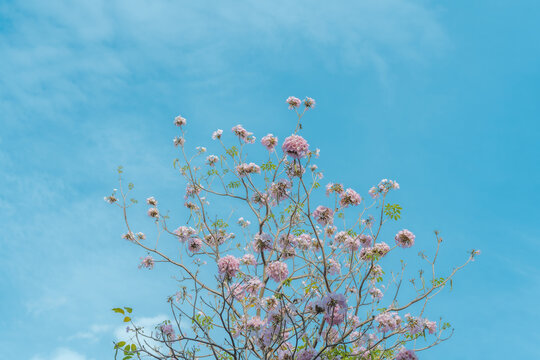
<point x="243" y="134"/>
<point x="365" y="240"/>
<point x="249" y="259"/>
<point x="375" y="293"/>
<point x="245" y="169"/>
<point x="168" y="331"/>
<point x="349" y="197"/>
<point x="323" y="215"/>
<point x="153" y="212"/>
<point x="334" y="188"/>
<point x="352" y="244"/>
<point x="212" y="160"/>
<point x="151" y="201"/>
<point x="383" y="187"/>
<point x="334" y="267"/>
<point x="217" y="134"/>
<point x="280" y="190"/>
<point x="406" y="354"/>
<point x="269" y="141"/>
<point x="295" y="146"/>
<point x="147" y="262"/>
<point x="405" y="238"/>
<point x="228" y="266"/>
<point x="262" y="242"/>
<point x="293" y="102"/>
<point x="309" y="102"/>
<point x="194" y="245"/>
<point x="253" y="286"/>
<point x="388" y="321"/>
<point x="179" y="121"/>
<point x="277" y="271"/>
<point x="184" y="233"/>
<point x="306" y="354"/>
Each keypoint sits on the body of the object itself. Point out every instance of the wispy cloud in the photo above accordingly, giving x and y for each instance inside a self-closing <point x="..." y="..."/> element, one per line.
<point x="62" y="354"/>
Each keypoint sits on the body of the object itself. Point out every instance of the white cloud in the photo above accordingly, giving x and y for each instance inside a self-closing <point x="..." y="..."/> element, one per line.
<point x="92" y="334"/>
<point x="62" y="354"/>
<point x="58" y="55"/>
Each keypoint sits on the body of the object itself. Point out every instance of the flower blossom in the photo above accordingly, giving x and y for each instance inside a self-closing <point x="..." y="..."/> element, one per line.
<point x="405" y="238"/>
<point x="280" y="190"/>
<point x="323" y="215"/>
<point x="349" y="197"/>
<point x="334" y="188"/>
<point x="217" y="134"/>
<point x="295" y="146"/>
<point x="365" y="240"/>
<point x="269" y="141"/>
<point x="262" y="242"/>
<point x="243" y="134"/>
<point x="168" y="331"/>
<point x="293" y="102"/>
<point x="184" y="233"/>
<point x="248" y="259"/>
<point x="277" y="271"/>
<point x="245" y="169"/>
<point x="147" y="262"/>
<point x="309" y="102"/>
<point x="151" y="201"/>
<point x="388" y="321"/>
<point x="228" y="266"/>
<point x="179" y="121"/>
<point x="383" y="187"/>
<point x="195" y="244"/>
<point x="406" y="354"/>
<point x="212" y="160"/>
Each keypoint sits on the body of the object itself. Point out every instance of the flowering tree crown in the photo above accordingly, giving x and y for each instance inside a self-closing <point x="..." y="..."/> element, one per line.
<point x="304" y="277"/>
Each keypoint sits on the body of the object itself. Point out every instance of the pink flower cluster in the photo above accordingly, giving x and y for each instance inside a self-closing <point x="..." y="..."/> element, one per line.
<point x="293" y="102"/>
<point x="417" y="325"/>
<point x="245" y="169"/>
<point x="335" y="307"/>
<point x="195" y="244"/>
<point x="147" y="262"/>
<point x="217" y="134"/>
<point x="249" y="259"/>
<point x="365" y="240"/>
<point x="212" y="160"/>
<point x="269" y="141"/>
<point x="334" y="188"/>
<point x="323" y="215"/>
<point x="280" y="191"/>
<point x="228" y="266"/>
<point x="376" y="251"/>
<point x="262" y="242"/>
<point x="388" y="321"/>
<point x="405" y="354"/>
<point x="179" y="121"/>
<point x="295" y="146"/>
<point x="243" y="134"/>
<point x="405" y="238"/>
<point x="383" y="187"/>
<point x="349" y="197"/>
<point x="168" y="331"/>
<point x="184" y="233"/>
<point x="277" y="271"/>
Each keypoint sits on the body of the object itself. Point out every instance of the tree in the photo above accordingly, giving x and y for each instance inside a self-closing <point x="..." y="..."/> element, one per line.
<point x="304" y="280"/>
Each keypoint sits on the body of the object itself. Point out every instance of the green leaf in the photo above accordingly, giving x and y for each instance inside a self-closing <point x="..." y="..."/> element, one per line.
<point x="118" y="310"/>
<point x="120" y="344"/>
<point x="128" y="309"/>
<point x="127" y="319"/>
<point x="133" y="347"/>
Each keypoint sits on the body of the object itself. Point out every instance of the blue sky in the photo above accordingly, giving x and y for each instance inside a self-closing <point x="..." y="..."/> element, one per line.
<point x="441" y="96"/>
